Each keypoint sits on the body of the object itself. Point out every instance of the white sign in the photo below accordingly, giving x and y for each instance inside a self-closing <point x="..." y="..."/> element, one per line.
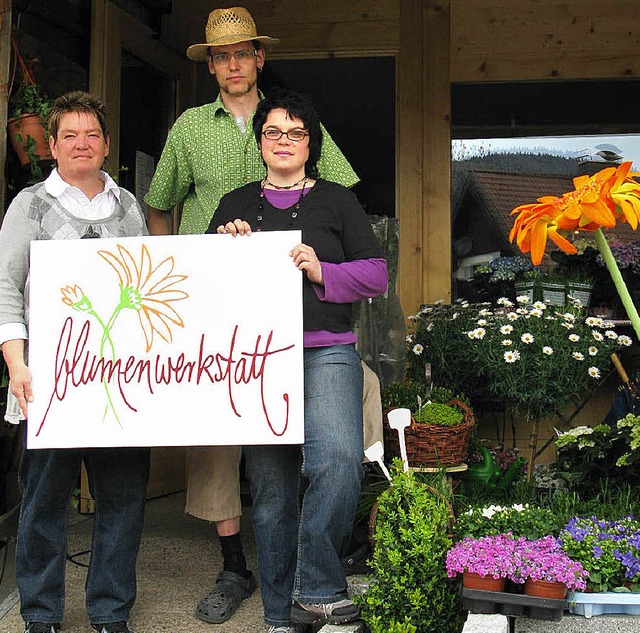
<point x="166" y="341"/>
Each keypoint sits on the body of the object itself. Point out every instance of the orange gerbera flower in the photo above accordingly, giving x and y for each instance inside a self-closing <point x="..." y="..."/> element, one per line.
<point x="148" y="290"/>
<point x="597" y="201"/>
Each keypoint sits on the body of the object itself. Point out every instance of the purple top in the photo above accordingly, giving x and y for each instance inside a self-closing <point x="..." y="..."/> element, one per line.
<point x="343" y="283"/>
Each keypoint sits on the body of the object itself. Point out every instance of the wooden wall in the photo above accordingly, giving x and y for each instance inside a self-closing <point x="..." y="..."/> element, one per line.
<point x="493" y="40"/>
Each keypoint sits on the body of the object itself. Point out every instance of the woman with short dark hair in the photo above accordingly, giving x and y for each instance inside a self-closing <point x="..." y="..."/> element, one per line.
<point x="301" y="576"/>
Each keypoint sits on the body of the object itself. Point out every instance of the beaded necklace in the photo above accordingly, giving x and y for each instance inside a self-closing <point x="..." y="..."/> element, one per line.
<point x="296" y="206"/>
<point x="280" y="187"/>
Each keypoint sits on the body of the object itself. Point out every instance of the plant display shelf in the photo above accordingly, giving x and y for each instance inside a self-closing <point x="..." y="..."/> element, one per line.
<point x="602" y="603"/>
<point x="512" y="604"/>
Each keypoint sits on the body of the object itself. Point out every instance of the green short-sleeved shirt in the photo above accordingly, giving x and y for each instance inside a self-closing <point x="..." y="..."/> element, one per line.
<point x="206" y="156"/>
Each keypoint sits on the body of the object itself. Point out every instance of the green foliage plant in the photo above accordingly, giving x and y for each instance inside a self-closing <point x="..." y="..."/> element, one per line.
<point x="527" y="520"/>
<point x="410" y="590"/>
<point x="403" y="394"/>
<point x="438" y="414"/>
<point x="588" y="454"/>
<point x="30" y="99"/>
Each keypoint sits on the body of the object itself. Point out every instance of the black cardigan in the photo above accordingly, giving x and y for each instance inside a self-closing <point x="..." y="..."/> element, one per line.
<point x="332" y="221"/>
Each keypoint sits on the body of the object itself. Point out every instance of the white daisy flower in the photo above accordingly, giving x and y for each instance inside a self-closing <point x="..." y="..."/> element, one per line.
<point x="418" y="349"/>
<point x="455" y="315"/>
<point x="503" y="301"/>
<point x="574" y="338"/>
<point x="610" y="334"/>
<point x="511" y="356"/>
<point x="594" y="372"/>
<point x="593" y="351"/>
<point x="471" y="334"/>
<point x="512" y="316"/>
<point x="507" y="342"/>
<point x="523" y="299"/>
<point x="624" y="340"/>
<point x="578" y="355"/>
<point x="506" y="329"/>
<point x="480" y="332"/>
<point x="567" y="316"/>
<point x="484" y="312"/>
<point x="597" y="335"/>
<point x="409" y="338"/>
<point x="591" y="321"/>
<point x="536" y="312"/>
<point x="527" y="338"/>
<point x="521" y="311"/>
<point x="540" y="305"/>
<point x="567" y="325"/>
<point x="547" y="350"/>
<point x="481" y="321"/>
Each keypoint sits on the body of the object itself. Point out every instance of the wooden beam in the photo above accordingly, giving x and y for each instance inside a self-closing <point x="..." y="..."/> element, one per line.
<point x="104" y="71"/>
<point x="409" y="155"/>
<point x="436" y="208"/>
<point x="5" y="63"/>
<point x="523" y="40"/>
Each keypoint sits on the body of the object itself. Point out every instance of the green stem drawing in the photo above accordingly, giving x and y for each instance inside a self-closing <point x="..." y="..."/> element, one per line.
<point x="106" y="337"/>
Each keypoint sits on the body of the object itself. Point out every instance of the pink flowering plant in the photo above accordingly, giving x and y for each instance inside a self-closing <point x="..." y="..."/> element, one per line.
<point x="487" y="556"/>
<point x="516" y="559"/>
<point x="544" y="559"/>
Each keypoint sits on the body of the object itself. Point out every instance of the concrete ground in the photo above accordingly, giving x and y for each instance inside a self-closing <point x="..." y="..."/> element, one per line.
<point x="178" y="562"/>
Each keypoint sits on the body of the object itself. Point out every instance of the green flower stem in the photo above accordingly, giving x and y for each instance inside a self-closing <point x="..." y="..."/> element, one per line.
<point x="106" y="337"/>
<point x="618" y="281"/>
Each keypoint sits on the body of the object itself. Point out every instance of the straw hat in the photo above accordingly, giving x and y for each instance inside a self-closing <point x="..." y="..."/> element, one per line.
<point x="228" y="26"/>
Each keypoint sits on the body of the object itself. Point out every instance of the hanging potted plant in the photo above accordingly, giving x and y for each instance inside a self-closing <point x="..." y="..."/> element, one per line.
<point x="29" y="107"/>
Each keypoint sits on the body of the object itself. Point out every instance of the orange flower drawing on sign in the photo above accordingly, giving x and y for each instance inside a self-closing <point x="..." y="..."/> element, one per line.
<point x="147" y="289"/>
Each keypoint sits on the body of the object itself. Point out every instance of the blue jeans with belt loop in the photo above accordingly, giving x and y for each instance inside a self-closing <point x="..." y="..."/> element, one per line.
<point x="117" y="481"/>
<point x="299" y="546"/>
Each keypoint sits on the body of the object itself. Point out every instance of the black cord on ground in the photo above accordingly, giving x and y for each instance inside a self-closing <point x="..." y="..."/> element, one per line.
<point x="72" y="557"/>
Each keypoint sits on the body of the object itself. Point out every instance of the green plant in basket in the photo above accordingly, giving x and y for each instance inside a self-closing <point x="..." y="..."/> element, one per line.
<point x="410" y="590"/>
<point x="438" y="414"/>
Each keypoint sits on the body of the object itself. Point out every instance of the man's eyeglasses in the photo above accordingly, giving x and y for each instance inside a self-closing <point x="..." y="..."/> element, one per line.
<point x="239" y="56"/>
<point x="293" y="135"/>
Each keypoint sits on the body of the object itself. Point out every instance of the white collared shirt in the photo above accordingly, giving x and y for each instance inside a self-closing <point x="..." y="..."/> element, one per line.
<point x="76" y="202"/>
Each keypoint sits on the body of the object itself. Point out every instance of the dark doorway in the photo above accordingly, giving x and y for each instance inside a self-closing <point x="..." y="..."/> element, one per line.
<point x="146" y="113"/>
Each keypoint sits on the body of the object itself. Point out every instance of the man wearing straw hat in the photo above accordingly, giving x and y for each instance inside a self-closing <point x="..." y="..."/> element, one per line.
<point x="210" y="151"/>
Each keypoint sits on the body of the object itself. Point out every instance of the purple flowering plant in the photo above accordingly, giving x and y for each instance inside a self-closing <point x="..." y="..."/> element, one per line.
<point x="609" y="550"/>
<point x="544" y="559"/>
<point x="504" y="556"/>
<point x="487" y="556"/>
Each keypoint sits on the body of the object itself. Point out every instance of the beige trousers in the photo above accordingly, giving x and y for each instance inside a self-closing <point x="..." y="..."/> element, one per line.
<point x="213" y="481"/>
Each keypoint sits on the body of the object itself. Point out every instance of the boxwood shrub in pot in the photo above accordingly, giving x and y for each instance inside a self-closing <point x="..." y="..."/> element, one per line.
<point x="410" y="590"/>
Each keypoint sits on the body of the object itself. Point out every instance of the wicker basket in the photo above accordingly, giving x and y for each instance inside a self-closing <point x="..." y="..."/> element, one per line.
<point x="373" y="516"/>
<point x="431" y="445"/>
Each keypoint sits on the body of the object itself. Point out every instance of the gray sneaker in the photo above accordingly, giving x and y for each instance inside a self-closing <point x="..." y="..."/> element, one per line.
<point x="287" y="628"/>
<point x="331" y="612"/>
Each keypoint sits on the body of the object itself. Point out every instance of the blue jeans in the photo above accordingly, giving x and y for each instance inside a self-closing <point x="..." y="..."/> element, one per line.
<point x="299" y="546"/>
<point x="117" y="480"/>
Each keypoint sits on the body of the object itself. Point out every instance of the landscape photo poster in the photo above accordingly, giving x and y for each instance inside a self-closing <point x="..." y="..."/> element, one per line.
<point x="166" y="341"/>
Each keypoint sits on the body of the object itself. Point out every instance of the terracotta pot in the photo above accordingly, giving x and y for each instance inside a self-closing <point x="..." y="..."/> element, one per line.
<point x="545" y="589"/>
<point x="28" y="125"/>
<point x="471" y="580"/>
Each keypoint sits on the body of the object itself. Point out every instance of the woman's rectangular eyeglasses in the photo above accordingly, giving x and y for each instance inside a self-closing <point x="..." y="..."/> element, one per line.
<point x="293" y="135"/>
